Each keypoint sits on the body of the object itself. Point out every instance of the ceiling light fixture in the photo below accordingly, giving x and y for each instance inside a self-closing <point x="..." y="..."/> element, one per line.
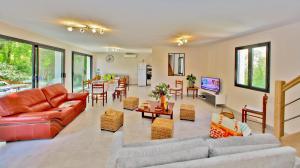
<point x="181" y="41"/>
<point x="70" y="29"/>
<point x="94" y="30"/>
<point x="81" y="30"/>
<point x="85" y="28"/>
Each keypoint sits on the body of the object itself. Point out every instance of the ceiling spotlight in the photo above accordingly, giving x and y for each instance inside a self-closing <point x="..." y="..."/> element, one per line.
<point x="70" y="29"/>
<point x="81" y="30"/>
<point x="101" y="31"/>
<point x="185" y="40"/>
<point x="94" y="30"/>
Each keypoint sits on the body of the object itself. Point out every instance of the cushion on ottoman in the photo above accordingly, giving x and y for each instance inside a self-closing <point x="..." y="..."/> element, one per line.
<point x="112" y="120"/>
<point x="187" y="112"/>
<point x="162" y="128"/>
<point x="131" y="103"/>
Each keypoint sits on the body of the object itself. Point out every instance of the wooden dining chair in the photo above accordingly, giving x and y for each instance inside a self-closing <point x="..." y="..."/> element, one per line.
<point x="86" y="88"/>
<point x="178" y="90"/>
<point x="99" y="92"/>
<point x="260" y="114"/>
<point x="121" y="89"/>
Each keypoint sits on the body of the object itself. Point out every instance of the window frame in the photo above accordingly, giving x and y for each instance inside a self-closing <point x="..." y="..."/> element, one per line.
<point x="250" y="66"/>
<point x="35" y="57"/>
<point x="180" y="56"/>
<point x="91" y="64"/>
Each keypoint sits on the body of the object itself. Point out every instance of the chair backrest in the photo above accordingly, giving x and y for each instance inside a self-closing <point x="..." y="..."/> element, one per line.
<point x="86" y="84"/>
<point x="99" y="88"/>
<point x="122" y="83"/>
<point x="265" y="101"/>
<point x="179" y="82"/>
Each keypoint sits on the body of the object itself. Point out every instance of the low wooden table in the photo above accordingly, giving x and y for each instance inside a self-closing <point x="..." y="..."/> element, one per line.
<point x="153" y="112"/>
<point x="194" y="90"/>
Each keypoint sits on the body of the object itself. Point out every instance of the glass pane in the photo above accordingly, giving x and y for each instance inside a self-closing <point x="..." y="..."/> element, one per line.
<point x="242" y="67"/>
<point x="176" y="64"/>
<point x="81" y="68"/>
<point x="50" y="67"/>
<point x="259" y="64"/>
<point x="15" y="65"/>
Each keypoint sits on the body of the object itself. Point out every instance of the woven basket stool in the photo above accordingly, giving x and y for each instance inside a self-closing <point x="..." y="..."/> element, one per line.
<point x="112" y="120"/>
<point x="162" y="128"/>
<point x="187" y="112"/>
<point x="131" y="103"/>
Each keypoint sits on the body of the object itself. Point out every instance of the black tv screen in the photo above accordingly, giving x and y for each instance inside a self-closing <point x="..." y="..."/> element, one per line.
<point x="212" y="84"/>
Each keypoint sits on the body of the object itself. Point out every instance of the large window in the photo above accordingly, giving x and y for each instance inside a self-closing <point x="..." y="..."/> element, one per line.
<point x="25" y="64"/>
<point x="252" y="67"/>
<point x="81" y="70"/>
<point x="51" y="65"/>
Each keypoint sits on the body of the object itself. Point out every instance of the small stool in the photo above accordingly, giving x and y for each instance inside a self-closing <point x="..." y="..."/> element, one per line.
<point x="187" y="112"/>
<point x="131" y="103"/>
<point x="162" y="128"/>
<point x="112" y="120"/>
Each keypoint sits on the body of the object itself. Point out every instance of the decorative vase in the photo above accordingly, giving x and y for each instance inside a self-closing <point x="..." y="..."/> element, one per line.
<point x="162" y="101"/>
<point x="191" y="84"/>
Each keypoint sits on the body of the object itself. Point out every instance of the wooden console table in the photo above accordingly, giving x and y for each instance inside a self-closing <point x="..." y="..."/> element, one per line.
<point x="194" y="90"/>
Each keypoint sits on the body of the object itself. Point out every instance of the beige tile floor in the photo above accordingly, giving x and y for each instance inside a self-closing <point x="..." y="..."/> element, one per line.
<point x="83" y="144"/>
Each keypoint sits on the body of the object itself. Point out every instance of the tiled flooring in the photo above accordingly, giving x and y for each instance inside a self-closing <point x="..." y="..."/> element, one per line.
<point x="83" y="144"/>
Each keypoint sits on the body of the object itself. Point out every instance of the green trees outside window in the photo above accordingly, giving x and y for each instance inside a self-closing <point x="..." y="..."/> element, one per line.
<point x="25" y="64"/>
<point x="252" y="67"/>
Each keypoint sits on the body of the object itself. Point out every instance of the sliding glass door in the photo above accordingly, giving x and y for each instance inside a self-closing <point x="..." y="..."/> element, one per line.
<point x="51" y="66"/>
<point x="25" y="65"/>
<point x="81" y="70"/>
<point x="16" y="64"/>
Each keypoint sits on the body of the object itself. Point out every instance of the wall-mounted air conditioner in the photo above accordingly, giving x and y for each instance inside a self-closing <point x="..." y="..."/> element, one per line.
<point x="130" y="55"/>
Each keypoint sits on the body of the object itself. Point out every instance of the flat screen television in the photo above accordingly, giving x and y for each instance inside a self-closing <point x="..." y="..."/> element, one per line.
<point x="211" y="84"/>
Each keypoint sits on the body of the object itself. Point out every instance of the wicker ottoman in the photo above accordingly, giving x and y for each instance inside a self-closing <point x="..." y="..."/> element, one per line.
<point x="187" y="112"/>
<point x="131" y="103"/>
<point x="162" y="128"/>
<point x="112" y="120"/>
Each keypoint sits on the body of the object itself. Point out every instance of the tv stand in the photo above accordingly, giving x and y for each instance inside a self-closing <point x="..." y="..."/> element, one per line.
<point x="213" y="98"/>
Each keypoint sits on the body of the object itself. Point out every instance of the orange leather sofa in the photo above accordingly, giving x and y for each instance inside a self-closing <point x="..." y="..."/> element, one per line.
<point x="38" y="113"/>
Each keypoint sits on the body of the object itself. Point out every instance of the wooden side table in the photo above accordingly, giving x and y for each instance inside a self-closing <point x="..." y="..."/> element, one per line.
<point x="194" y="90"/>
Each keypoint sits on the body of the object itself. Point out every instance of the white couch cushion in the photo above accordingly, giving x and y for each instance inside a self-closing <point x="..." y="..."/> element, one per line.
<point x="239" y="149"/>
<point x="159" y="159"/>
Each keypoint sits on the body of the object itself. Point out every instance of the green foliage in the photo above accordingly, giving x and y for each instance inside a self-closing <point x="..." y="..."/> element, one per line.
<point x="107" y="77"/>
<point x="191" y="78"/>
<point x="12" y="73"/>
<point x="161" y="89"/>
<point x="259" y="72"/>
<point x="15" y="59"/>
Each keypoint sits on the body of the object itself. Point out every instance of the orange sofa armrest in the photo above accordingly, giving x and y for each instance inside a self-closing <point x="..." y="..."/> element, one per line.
<point x="77" y="96"/>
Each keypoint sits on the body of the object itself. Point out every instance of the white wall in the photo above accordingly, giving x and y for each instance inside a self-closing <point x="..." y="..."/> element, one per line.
<point x="121" y="65"/>
<point x="217" y="60"/>
<point x="15" y="32"/>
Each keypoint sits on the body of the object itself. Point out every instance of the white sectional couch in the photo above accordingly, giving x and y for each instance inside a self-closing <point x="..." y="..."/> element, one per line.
<point x="256" y="151"/>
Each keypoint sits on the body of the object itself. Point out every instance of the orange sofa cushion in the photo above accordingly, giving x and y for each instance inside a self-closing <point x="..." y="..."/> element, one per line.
<point x="56" y="94"/>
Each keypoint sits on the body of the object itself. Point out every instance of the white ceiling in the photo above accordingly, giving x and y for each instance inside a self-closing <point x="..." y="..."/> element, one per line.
<point x="138" y="25"/>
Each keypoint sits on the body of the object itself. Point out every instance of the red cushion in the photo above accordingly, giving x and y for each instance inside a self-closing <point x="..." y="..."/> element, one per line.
<point x="55" y="94"/>
<point x="12" y="104"/>
<point x="35" y="100"/>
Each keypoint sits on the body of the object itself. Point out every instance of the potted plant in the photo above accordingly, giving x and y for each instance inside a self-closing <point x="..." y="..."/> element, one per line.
<point x="192" y="79"/>
<point x="162" y="92"/>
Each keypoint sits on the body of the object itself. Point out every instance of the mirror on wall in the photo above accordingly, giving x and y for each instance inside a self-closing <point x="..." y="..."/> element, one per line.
<point x="176" y="64"/>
